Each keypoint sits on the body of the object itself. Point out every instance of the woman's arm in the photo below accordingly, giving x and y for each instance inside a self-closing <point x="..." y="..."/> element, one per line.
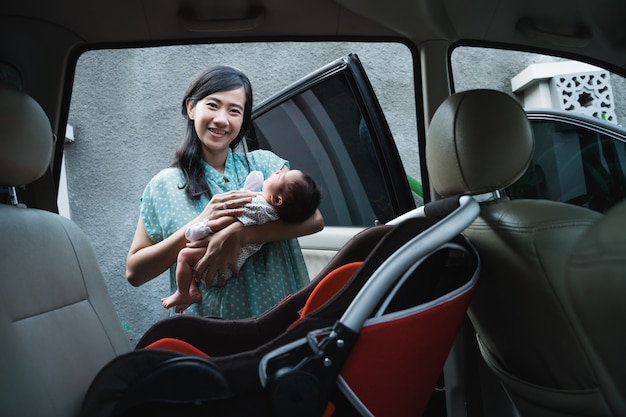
<point x="146" y="259"/>
<point x="224" y="247"/>
<point x="281" y="230"/>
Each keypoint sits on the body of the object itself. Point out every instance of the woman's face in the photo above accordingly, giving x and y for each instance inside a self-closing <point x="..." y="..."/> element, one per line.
<point x="218" y="118"/>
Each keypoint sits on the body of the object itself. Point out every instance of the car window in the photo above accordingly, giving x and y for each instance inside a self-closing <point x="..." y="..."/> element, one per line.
<point x="322" y="126"/>
<point x="575" y="111"/>
<point x="585" y="167"/>
<point x="125" y="117"/>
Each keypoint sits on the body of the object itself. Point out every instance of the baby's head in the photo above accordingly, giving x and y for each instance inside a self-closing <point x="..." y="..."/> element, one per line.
<point x="293" y="194"/>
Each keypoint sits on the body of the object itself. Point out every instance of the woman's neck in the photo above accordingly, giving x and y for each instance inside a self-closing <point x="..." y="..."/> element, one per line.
<point x="216" y="160"/>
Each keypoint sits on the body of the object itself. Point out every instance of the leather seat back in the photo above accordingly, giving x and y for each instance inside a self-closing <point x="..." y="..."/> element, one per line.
<point x="481" y="141"/>
<point x="596" y="285"/>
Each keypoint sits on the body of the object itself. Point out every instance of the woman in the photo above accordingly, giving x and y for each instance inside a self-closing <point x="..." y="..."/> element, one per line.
<point x="204" y="183"/>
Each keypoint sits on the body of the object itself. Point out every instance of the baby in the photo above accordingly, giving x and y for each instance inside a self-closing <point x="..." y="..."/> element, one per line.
<point x="290" y="195"/>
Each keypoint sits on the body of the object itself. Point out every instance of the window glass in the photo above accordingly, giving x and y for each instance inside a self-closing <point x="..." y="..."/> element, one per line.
<point x="579" y="141"/>
<point x="585" y="167"/>
<point x="322" y="132"/>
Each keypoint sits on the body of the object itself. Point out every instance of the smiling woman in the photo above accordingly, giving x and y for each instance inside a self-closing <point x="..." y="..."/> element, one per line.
<point x="204" y="184"/>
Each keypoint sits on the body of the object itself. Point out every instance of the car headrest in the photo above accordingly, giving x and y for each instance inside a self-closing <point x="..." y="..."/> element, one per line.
<point x="478" y="141"/>
<point x="26" y="139"/>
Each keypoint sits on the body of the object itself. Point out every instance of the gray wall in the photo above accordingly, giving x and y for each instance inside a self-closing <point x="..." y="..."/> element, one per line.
<point x="125" y="111"/>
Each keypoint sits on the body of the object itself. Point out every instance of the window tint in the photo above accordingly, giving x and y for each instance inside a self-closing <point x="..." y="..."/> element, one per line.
<point x="575" y="165"/>
<point x="322" y="132"/>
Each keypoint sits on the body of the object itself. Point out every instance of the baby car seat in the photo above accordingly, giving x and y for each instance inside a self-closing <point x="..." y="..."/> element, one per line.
<point x="369" y="338"/>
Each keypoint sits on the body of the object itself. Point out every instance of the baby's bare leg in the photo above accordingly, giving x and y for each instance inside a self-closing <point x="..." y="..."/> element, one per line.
<point x="187" y="291"/>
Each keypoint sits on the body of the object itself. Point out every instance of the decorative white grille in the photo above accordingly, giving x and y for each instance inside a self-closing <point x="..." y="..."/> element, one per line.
<point x="588" y="92"/>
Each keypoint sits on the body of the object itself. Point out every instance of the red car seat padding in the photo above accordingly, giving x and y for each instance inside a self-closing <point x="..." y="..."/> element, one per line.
<point x="329" y="286"/>
<point x="177" y="345"/>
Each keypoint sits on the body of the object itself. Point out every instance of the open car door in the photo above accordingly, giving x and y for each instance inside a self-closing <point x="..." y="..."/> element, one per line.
<point x="331" y="126"/>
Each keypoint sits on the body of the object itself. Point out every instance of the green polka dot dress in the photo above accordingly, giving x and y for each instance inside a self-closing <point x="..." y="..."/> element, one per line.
<point x="275" y="271"/>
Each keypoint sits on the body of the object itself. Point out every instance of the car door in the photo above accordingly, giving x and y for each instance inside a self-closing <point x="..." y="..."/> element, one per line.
<point x="331" y="126"/>
<point x="578" y="159"/>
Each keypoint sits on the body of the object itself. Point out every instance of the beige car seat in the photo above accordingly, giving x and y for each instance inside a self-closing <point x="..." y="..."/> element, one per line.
<point x="541" y="329"/>
<point x="58" y="327"/>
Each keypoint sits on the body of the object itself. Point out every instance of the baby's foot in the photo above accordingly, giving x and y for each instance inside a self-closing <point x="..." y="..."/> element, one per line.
<point x="181" y="307"/>
<point x="182" y="301"/>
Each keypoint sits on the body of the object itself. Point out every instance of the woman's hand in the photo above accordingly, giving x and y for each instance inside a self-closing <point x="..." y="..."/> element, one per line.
<point x="221" y="256"/>
<point x="226" y="204"/>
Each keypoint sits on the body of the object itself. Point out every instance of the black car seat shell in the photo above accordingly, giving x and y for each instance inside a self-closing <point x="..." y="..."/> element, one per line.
<point x="388" y="330"/>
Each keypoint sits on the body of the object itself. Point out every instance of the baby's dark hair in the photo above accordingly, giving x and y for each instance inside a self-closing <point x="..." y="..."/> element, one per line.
<point x="300" y="200"/>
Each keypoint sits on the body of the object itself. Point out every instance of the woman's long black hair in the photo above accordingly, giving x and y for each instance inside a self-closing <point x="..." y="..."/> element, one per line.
<point x="188" y="156"/>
